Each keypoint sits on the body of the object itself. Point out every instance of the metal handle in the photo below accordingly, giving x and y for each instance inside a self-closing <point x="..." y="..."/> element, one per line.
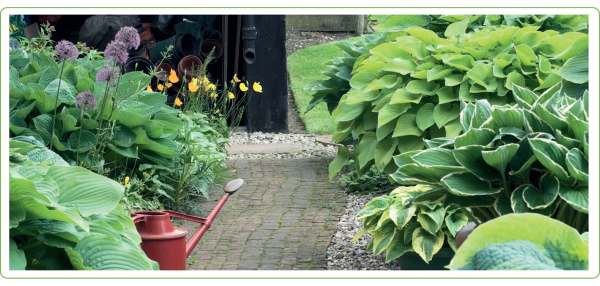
<point x="185" y="216"/>
<point x="232" y="186"/>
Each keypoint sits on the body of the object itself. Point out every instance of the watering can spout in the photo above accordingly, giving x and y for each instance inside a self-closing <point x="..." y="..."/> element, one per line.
<point x="166" y="244"/>
<point x="230" y="188"/>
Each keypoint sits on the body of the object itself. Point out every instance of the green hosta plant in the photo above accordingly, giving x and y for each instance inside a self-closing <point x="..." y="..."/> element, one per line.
<point x="523" y="242"/>
<point x="65" y="217"/>
<point x="527" y="158"/>
<point x="398" y="225"/>
<point x="413" y="88"/>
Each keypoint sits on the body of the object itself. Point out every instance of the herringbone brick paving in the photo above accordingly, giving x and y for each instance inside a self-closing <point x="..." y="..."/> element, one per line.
<point x="283" y="218"/>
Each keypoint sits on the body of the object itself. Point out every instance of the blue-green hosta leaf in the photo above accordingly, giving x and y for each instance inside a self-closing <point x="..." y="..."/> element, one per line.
<point x="17" y="124"/>
<point x="502" y="205"/>
<point x="427" y="244"/>
<point x="17" y="258"/>
<point x="391" y="112"/>
<point x="403" y="96"/>
<point x="427" y="174"/>
<point x="569" y="143"/>
<point x="522" y="161"/>
<point x="544" y="196"/>
<point x="577" y="197"/>
<point x="483" y="111"/>
<point x="366" y="148"/>
<point x="579" y="45"/>
<point x="474" y="137"/>
<point x="88" y="140"/>
<point x="471" y="158"/>
<point x="45" y="155"/>
<point x="555" y="121"/>
<point x="533" y="123"/>
<point x="577" y="165"/>
<point x="517" y="202"/>
<point x="440" y="142"/>
<point x="375" y="206"/>
<point x="432" y="196"/>
<point x="341" y="159"/>
<point x="67" y="91"/>
<point x="502" y="244"/>
<point x="105" y="252"/>
<point x="523" y="96"/>
<point x="466" y="115"/>
<point x="553" y="156"/>
<point x="578" y="126"/>
<point x="507" y="117"/>
<point x="407" y="126"/>
<point x="467" y="184"/>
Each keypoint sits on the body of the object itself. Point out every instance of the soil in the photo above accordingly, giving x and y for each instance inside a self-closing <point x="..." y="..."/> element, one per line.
<point x="296" y="40"/>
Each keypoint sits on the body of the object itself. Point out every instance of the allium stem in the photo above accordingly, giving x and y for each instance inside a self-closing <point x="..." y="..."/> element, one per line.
<point x="79" y="140"/>
<point x="56" y="103"/>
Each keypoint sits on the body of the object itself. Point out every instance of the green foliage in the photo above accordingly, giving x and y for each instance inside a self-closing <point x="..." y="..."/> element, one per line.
<point x="66" y="217"/>
<point x="372" y="182"/>
<point x="506" y="243"/>
<point x="407" y="220"/>
<point x="531" y="157"/>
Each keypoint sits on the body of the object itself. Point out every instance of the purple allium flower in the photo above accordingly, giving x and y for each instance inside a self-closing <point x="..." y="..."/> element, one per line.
<point x="116" y="51"/>
<point x="66" y="50"/>
<point x="129" y="36"/>
<point x="86" y="101"/>
<point x="107" y="73"/>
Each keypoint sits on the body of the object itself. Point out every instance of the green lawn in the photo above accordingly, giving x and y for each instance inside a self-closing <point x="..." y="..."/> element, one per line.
<point x="305" y="66"/>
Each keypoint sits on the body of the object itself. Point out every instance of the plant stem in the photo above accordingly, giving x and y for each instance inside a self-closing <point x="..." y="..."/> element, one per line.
<point x="494" y="212"/>
<point x="469" y="215"/>
<point x="506" y="190"/>
<point x="79" y="140"/>
<point x="579" y="221"/>
<point x="561" y="211"/>
<point x="485" y="213"/>
<point x="56" y="103"/>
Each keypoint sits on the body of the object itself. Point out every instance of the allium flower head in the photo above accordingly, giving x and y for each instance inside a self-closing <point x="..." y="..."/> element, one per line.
<point x="108" y="73"/>
<point x="66" y="50"/>
<point x="129" y="36"/>
<point x="116" y="51"/>
<point x="86" y="101"/>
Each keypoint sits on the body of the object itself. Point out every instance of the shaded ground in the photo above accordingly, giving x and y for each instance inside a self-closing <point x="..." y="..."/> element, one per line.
<point x="283" y="218"/>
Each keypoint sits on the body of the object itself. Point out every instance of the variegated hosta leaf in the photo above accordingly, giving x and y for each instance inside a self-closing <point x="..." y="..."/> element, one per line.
<point x="397" y="247"/>
<point x="553" y="156"/>
<point x="474" y="137"/>
<point x="382" y="237"/>
<point x="502" y="205"/>
<point x="456" y="221"/>
<point x="467" y="184"/>
<point x="471" y="158"/>
<point x="578" y="166"/>
<point x="431" y="217"/>
<point x="401" y="213"/>
<point x="522" y="161"/>
<point x="577" y="197"/>
<point x="517" y="202"/>
<point x="427" y="244"/>
<point x="375" y="206"/>
<point x="544" y="196"/>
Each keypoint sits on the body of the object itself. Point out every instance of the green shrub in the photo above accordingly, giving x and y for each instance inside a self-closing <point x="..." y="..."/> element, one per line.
<point x="65" y="217"/>
<point x="527" y="158"/>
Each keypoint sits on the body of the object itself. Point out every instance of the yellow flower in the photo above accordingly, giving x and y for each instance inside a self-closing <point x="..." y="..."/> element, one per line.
<point x="192" y="87"/>
<point x="169" y="84"/>
<point x="214" y="95"/>
<point x="160" y="87"/>
<point x="257" y="87"/>
<point x="173" y="77"/>
<point x="243" y="87"/>
<point x="233" y="171"/>
<point x="217" y="111"/>
<point x="212" y="117"/>
<point x="149" y="89"/>
<point x="127" y="183"/>
<point x="211" y="86"/>
<point x="195" y="81"/>
<point x="231" y="96"/>
<point x="178" y="102"/>
<point x="235" y="78"/>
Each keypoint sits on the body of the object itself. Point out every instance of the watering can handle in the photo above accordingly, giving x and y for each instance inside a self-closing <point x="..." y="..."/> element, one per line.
<point x="185" y="216"/>
<point x="138" y="218"/>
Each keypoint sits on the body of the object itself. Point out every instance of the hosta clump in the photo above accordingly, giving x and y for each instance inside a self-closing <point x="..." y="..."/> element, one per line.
<point x="65" y="217"/>
<point x="398" y="225"/>
<point x="412" y="89"/>
<point x="523" y="242"/>
<point x="527" y="158"/>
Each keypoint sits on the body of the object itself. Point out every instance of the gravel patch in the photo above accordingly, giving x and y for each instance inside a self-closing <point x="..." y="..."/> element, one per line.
<point x="310" y="148"/>
<point x="343" y="254"/>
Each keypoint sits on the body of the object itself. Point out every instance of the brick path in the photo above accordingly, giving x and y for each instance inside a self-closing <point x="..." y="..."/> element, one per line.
<point x="283" y="218"/>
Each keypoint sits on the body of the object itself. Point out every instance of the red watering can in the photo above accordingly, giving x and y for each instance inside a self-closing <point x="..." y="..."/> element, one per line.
<point x="164" y="243"/>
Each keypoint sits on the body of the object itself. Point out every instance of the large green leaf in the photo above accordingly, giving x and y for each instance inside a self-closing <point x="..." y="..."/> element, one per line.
<point x="482" y="74"/>
<point x="500" y="157"/>
<point x="558" y="245"/>
<point x="367" y="148"/>
<point x="578" y="166"/>
<point x="391" y="112"/>
<point x="397" y="23"/>
<point x="341" y="159"/>
<point x="384" y="151"/>
<point x="436" y="157"/>
<point x="67" y="91"/>
<point x="397" y="247"/>
<point x="474" y="137"/>
<point x="444" y="113"/>
<point x="17" y="258"/>
<point x="456" y="28"/>
<point x="375" y="206"/>
<point x="407" y="125"/>
<point x="471" y="158"/>
<point x="577" y="197"/>
<point x="456" y="221"/>
<point x="422" y="87"/>
<point x="105" y="252"/>
<point x="544" y="196"/>
<point x="576" y="69"/>
<point x="425" y="116"/>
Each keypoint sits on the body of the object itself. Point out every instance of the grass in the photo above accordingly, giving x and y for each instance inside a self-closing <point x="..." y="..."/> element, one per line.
<point x="304" y="67"/>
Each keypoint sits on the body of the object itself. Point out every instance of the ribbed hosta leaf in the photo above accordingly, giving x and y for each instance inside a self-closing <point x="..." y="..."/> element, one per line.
<point x="341" y="159"/>
<point x="407" y="125"/>
<point x="105" y="252"/>
<point x="576" y="69"/>
<point x="467" y="184"/>
<point x="391" y="112"/>
<point x="474" y="137"/>
<point x="456" y="221"/>
<point x="444" y="113"/>
<point x="471" y="158"/>
<point x="397" y="247"/>
<point x="17" y="257"/>
<point x="577" y="197"/>
<point x="577" y="165"/>
<point x="427" y="244"/>
<point x="500" y="157"/>
<point x="544" y="196"/>
<point x="553" y="156"/>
